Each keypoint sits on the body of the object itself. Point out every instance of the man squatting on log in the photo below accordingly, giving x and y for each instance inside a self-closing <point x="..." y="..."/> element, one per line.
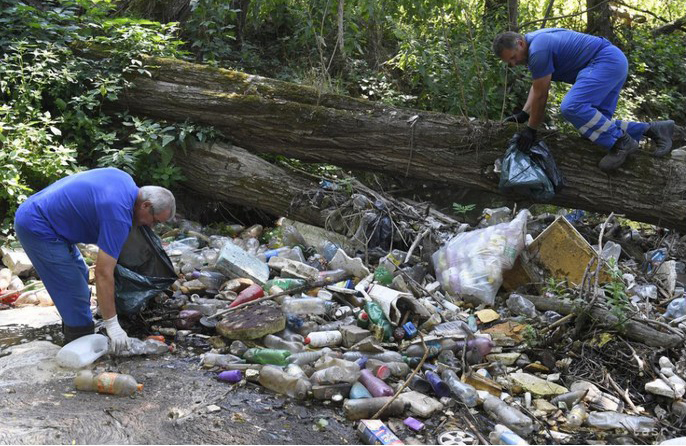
<point x="597" y="69"/>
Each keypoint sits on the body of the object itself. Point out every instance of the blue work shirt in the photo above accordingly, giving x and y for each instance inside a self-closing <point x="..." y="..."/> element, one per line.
<point x="561" y="52"/>
<point x="95" y="206"/>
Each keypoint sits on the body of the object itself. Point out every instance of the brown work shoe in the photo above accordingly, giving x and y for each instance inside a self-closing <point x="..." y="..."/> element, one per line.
<point x="620" y="151"/>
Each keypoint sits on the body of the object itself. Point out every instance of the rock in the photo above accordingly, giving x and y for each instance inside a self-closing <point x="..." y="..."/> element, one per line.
<point x="504" y="358"/>
<point x="353" y="334"/>
<point x="536" y="385"/>
<point x="293" y="268"/>
<point x="659" y="387"/>
<point x="543" y="405"/>
<point x="16" y="260"/>
<point x="252" y="322"/>
<point x="353" y="266"/>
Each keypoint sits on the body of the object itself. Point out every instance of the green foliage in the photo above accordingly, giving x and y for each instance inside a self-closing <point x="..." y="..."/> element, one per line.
<point x="462" y="209"/>
<point x="556" y="288"/>
<point x="615" y="294"/>
<point x="210" y="29"/>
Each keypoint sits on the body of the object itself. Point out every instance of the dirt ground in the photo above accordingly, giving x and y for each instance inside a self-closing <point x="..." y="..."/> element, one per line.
<point x="40" y="405"/>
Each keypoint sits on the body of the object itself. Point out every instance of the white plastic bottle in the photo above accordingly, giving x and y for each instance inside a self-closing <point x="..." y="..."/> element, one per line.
<point x="82" y="351"/>
<point x="324" y="338"/>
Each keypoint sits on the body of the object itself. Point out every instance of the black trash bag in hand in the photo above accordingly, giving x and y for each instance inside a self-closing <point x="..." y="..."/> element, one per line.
<point x="143" y="270"/>
<point x="533" y="174"/>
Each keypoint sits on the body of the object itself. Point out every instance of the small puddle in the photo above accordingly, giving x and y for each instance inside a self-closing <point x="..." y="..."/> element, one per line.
<point x="20" y="334"/>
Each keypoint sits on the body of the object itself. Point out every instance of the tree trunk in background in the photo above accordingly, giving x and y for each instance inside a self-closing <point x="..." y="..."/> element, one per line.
<point x="163" y="11"/>
<point x="497" y="14"/>
<point x="266" y="115"/>
<point x="599" y="23"/>
<point x="513" y="14"/>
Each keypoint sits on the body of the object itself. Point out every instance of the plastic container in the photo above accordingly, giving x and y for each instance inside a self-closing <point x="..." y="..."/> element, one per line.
<point x="308" y="305"/>
<point x="520" y="305"/>
<point x="328" y="250"/>
<point x="109" y="383"/>
<point x="82" y="351"/>
<point x="359" y="391"/>
<point x="503" y="435"/>
<point x="275" y="342"/>
<point x="505" y="414"/>
<point x="230" y="376"/>
<point x="251" y="293"/>
<point x="357" y="409"/>
<point x="375" y="386"/>
<point x="210" y="360"/>
<point x="439" y="387"/>
<point x="383" y="276"/>
<point x="576" y="416"/>
<point x="378" y="318"/>
<point x="462" y="391"/>
<point x="212" y="280"/>
<point x="274" y="378"/>
<point x="335" y="325"/>
<point x="318" y="339"/>
<point x="266" y="356"/>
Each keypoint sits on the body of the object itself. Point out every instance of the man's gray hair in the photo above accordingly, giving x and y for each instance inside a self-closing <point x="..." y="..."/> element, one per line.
<point x="160" y="198"/>
<point x="506" y="41"/>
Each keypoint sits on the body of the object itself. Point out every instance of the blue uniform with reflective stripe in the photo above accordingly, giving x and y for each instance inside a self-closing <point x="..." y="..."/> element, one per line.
<point x="95" y="206"/>
<point x="596" y="68"/>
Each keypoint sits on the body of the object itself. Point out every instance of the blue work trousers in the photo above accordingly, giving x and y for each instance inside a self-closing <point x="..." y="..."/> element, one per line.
<point x="63" y="272"/>
<point x="592" y="100"/>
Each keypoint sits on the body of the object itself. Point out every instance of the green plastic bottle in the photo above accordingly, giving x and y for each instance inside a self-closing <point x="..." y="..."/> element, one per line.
<point x="378" y="318"/>
<point x="383" y="276"/>
<point x="266" y="356"/>
<point x="285" y="284"/>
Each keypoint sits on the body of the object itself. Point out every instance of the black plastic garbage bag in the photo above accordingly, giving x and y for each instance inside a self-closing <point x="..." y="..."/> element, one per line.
<point x="533" y="174"/>
<point x="143" y="271"/>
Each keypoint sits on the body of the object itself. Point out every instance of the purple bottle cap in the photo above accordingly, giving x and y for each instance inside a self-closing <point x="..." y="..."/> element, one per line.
<point x="230" y="376"/>
<point x="440" y="388"/>
<point x="413" y="424"/>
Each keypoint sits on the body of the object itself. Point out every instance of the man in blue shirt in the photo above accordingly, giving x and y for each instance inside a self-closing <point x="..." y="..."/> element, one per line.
<point x="597" y="69"/>
<point x="98" y="206"/>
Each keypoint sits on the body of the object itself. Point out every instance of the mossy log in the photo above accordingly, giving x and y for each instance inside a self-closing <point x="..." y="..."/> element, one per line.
<point x="271" y="116"/>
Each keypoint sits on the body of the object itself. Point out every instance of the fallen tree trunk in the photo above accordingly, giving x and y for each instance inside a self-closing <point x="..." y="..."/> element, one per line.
<point x="636" y="330"/>
<point x="270" y="116"/>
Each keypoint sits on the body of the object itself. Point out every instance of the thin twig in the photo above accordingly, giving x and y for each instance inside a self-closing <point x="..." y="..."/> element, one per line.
<point x="415" y="243"/>
<point x="623" y="393"/>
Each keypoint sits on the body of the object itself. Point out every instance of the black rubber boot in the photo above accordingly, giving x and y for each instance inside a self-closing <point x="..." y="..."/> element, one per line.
<point x="73" y="333"/>
<point x="620" y="151"/>
<point x="661" y="132"/>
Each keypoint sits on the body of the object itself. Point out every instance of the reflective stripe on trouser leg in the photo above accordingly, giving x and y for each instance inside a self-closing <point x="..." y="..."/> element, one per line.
<point x="634" y="129"/>
<point x="64" y="274"/>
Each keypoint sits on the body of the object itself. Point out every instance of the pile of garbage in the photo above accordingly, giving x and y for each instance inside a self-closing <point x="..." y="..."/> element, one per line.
<point x="517" y="331"/>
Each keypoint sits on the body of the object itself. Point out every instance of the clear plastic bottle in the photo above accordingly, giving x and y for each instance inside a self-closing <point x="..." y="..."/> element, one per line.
<point x="290" y="336"/>
<point x="335" y="325"/>
<point x="463" y="391"/>
<point x="318" y="339"/>
<point x="676" y="308"/>
<point x="210" y="360"/>
<point x="82" y="351"/>
<point x="505" y="414"/>
<point x="147" y="347"/>
<point x="276" y="379"/>
<point x="275" y="342"/>
<point x="616" y="420"/>
<point x="357" y="409"/>
<point x="397" y="369"/>
<point x="328" y="249"/>
<point x="211" y="279"/>
<point x="295" y="370"/>
<point x="503" y="435"/>
<point x="333" y="375"/>
<point x="308" y="305"/>
<point x="576" y="416"/>
<point x="307" y="357"/>
<point x="375" y="386"/>
<point x="520" y="305"/>
<point x="387" y="356"/>
<point x="109" y="383"/>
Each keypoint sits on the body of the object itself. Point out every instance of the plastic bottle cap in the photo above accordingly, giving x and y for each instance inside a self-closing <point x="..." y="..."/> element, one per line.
<point x="307" y="340"/>
<point x="364" y="316"/>
<point x="139" y="387"/>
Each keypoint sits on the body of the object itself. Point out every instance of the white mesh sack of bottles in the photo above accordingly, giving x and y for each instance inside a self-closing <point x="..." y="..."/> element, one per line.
<point x="471" y="264"/>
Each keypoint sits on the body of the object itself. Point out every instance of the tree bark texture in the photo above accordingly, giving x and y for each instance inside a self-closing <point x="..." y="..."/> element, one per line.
<point x="270" y="116"/>
<point x="599" y="22"/>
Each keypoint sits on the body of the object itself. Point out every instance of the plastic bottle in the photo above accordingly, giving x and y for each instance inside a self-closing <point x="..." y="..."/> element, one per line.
<point x="82" y="351"/>
<point x="398" y="369"/>
<point x="295" y="370"/>
<point x="332" y="276"/>
<point x="439" y="387"/>
<point x="275" y="342"/>
<point x="576" y="416"/>
<point x="508" y="415"/>
<point x="110" y="383"/>
<point x="503" y="435"/>
<point x="383" y="276"/>
<point x="318" y="339"/>
<point x="462" y="391"/>
<point x="307" y="305"/>
<point x="147" y="347"/>
<point x="187" y="319"/>
<point x="287" y="335"/>
<point x="520" y="305"/>
<point x="266" y="356"/>
<point x="335" y="325"/>
<point x="210" y="360"/>
<point x="211" y="279"/>
<point x="482" y="345"/>
<point x="363" y="320"/>
<point x="328" y="249"/>
<point x="333" y="375"/>
<point x="303" y="358"/>
<point x="378" y="318"/>
<point x="676" y="308"/>
<point x="359" y="391"/>
<point x="251" y="293"/>
<point x="357" y="409"/>
<point x="284" y="283"/>
<point x="230" y="376"/>
<point x="420" y="384"/>
<point x="375" y="386"/>
<point x="616" y="420"/>
<point x="417" y="350"/>
<point x="274" y="378"/>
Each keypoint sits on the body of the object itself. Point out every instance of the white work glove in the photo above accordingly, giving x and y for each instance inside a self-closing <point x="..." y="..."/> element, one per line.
<point x="119" y="340"/>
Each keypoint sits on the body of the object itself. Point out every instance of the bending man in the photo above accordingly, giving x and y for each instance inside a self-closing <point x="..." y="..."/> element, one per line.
<point x="597" y="69"/>
<point x="98" y="206"/>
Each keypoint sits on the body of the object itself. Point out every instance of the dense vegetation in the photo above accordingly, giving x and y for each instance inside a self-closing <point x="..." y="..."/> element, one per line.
<point x="58" y="112"/>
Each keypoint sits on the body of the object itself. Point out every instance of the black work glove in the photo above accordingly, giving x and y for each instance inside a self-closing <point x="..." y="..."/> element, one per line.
<point x="519" y="118"/>
<point x="525" y="139"/>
